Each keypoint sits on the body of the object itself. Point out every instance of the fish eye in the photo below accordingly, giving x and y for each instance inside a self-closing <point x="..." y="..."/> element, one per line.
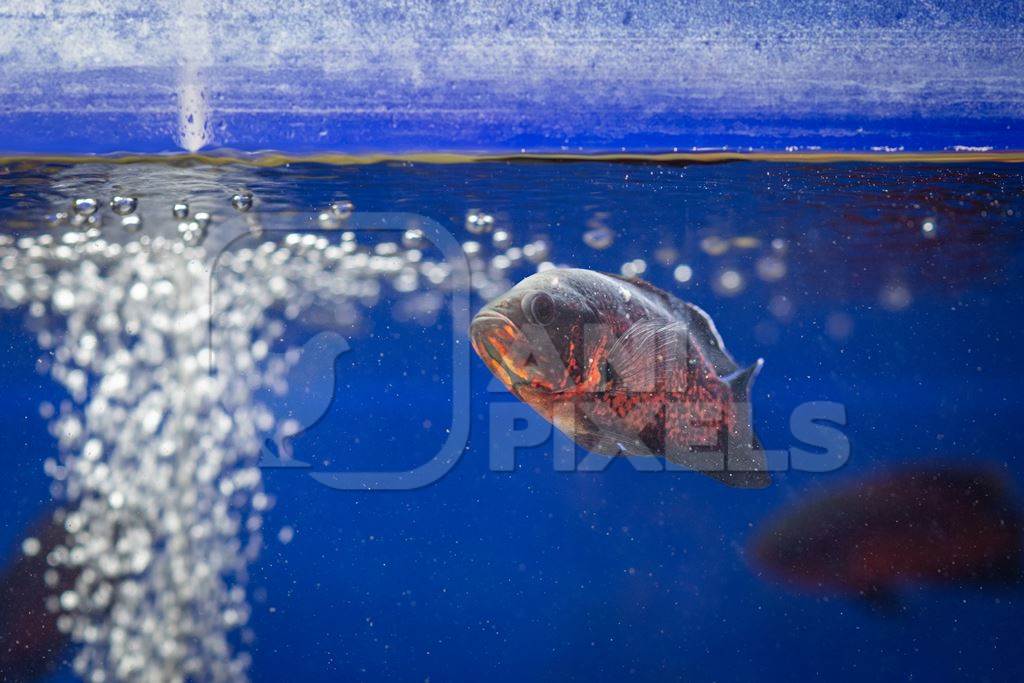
<point x="539" y="308"/>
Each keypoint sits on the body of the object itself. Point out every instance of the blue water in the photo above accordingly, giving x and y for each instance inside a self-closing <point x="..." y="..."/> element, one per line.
<point x="543" y="575"/>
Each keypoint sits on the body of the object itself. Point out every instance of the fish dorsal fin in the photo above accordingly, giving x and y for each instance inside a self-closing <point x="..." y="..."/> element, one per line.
<point x="704" y="329"/>
<point x="698" y="321"/>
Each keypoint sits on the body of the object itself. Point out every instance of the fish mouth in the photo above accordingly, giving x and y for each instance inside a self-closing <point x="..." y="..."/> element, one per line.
<point x="491" y="333"/>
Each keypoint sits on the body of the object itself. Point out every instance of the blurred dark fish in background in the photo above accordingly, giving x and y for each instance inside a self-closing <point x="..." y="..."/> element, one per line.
<point x="31" y="646"/>
<point x="939" y="525"/>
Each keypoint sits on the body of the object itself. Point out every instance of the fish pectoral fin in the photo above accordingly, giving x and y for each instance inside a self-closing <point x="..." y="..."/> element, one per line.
<point x="639" y="357"/>
<point x="597" y="443"/>
<point x="609" y="442"/>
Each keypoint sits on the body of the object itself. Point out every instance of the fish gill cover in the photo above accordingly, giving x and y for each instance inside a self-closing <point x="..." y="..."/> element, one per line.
<point x="509" y="76"/>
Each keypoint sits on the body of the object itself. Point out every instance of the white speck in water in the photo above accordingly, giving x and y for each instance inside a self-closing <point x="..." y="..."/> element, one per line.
<point x="180" y="210"/>
<point x="928" y="229"/>
<point x="285" y="535"/>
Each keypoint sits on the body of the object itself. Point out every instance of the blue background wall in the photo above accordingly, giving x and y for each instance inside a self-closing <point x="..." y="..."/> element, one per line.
<point x="503" y="76"/>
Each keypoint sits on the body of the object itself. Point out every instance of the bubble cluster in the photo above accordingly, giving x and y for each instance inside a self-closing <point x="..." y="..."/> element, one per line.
<point x="478" y="222"/>
<point x="163" y="357"/>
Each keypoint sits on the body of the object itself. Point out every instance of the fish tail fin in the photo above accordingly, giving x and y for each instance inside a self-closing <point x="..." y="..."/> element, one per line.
<point x="746" y="464"/>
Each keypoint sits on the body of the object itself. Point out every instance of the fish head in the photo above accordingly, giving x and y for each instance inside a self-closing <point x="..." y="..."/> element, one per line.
<point x="540" y="337"/>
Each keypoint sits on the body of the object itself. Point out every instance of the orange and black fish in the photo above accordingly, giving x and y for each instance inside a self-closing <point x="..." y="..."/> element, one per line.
<point x="624" y="368"/>
<point x="926" y="524"/>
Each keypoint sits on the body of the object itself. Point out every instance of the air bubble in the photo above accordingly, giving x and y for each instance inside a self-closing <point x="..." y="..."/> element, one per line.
<point x="413" y="238"/>
<point x="537" y="251"/>
<point x="501" y="239"/>
<point x="342" y="208"/>
<point x="683" y="273"/>
<point x="728" y="283"/>
<point x="123" y="206"/>
<point x="714" y="245"/>
<point x="180" y="211"/>
<point x="771" y="268"/>
<point x="242" y="201"/>
<point x="599" y="237"/>
<point x="478" y="222"/>
<point x="31" y="546"/>
<point x="131" y="223"/>
<point x="633" y="268"/>
<point x="328" y="221"/>
<point x="85" y="206"/>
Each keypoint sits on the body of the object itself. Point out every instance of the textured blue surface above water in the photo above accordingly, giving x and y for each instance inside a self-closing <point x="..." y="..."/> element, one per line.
<point x="507" y="76"/>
